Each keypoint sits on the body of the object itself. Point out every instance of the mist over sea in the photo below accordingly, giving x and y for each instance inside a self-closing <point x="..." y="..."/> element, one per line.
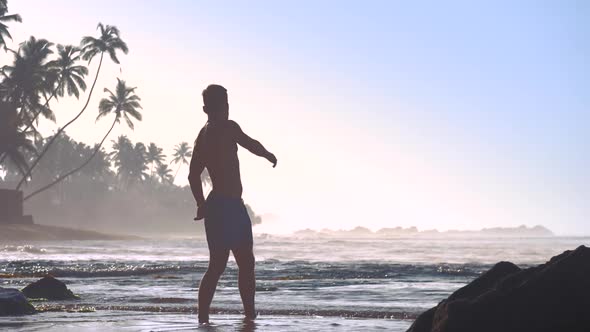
<point x="303" y="284"/>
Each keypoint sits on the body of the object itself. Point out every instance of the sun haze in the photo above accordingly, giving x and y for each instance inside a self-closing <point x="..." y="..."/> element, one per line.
<point x="455" y="115"/>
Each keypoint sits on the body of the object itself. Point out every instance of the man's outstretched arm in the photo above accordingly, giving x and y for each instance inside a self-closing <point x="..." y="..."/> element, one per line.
<point x="194" y="178"/>
<point x="252" y="145"/>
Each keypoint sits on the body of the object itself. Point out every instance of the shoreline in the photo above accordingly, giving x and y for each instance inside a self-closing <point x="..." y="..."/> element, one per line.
<point x="37" y="232"/>
<point x="192" y="310"/>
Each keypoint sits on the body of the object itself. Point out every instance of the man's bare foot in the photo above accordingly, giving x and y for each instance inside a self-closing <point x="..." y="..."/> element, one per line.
<point x="248" y="324"/>
<point x="250" y="316"/>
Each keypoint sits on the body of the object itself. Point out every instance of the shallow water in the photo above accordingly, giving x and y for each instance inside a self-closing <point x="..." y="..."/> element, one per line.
<point x="125" y="321"/>
<point x="344" y="284"/>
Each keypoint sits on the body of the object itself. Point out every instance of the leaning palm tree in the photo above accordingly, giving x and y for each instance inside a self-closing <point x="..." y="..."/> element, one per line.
<point x="124" y="103"/>
<point x="154" y="156"/>
<point x="5" y="19"/>
<point x="182" y="153"/>
<point x="109" y="42"/>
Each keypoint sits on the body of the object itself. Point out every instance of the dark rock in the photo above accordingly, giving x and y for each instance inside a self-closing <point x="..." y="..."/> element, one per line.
<point x="424" y="321"/>
<point x="13" y="302"/>
<point x="485" y="282"/>
<point x="48" y="288"/>
<point x="554" y="296"/>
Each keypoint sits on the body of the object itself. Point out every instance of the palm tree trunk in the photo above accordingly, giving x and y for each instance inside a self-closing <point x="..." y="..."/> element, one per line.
<point x="39" y="113"/>
<point x="59" y="179"/>
<point x="178" y="169"/>
<point x="61" y="130"/>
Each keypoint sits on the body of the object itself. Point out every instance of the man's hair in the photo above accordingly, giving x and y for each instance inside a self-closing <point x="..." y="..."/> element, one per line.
<point x="214" y="95"/>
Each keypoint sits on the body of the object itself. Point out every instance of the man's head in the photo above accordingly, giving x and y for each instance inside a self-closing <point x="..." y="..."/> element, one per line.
<point x="215" y="102"/>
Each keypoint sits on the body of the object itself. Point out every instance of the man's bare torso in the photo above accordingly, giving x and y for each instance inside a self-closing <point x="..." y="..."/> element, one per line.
<point x="218" y="147"/>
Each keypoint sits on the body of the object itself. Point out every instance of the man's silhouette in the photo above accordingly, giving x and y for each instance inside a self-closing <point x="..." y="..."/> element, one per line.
<point x="227" y="223"/>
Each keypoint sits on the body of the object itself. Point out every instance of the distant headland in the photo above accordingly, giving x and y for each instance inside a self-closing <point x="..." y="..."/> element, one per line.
<point x="363" y="232"/>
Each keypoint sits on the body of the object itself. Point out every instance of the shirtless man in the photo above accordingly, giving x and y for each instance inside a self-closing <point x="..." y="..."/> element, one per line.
<point x="227" y="224"/>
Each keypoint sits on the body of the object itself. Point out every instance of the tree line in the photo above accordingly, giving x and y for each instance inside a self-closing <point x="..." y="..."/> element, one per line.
<point x="41" y="74"/>
<point x="72" y="182"/>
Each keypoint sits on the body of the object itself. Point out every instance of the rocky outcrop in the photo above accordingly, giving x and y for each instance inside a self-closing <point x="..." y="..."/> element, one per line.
<point x="48" y="288"/>
<point x="13" y="302"/>
<point x="554" y="296"/>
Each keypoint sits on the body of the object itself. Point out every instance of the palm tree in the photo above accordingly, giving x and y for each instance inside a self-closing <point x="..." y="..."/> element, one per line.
<point x="164" y="174"/>
<point x="119" y="146"/>
<point x="29" y="78"/>
<point x="154" y="156"/>
<point x="67" y="75"/>
<point x="138" y="163"/>
<point x="122" y="148"/>
<point x="99" y="167"/>
<point x="124" y="103"/>
<point x="109" y="42"/>
<point x="26" y="80"/>
<point x="182" y="153"/>
<point x="5" y="19"/>
<point x="11" y="140"/>
<point x="10" y="145"/>
<point x="129" y="160"/>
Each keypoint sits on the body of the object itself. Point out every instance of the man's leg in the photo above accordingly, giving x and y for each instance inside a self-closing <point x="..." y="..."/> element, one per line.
<point x="246" y="278"/>
<point x="217" y="263"/>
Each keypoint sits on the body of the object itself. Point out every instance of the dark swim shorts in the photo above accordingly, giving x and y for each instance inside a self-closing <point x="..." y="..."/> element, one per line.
<point x="227" y="223"/>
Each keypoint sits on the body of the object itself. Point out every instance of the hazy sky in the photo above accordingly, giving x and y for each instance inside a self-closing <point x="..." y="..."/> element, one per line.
<point x="454" y="114"/>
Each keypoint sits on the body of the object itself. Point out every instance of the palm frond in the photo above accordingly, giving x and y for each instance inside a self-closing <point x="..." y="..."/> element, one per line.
<point x="129" y="122"/>
<point x="113" y="55"/>
<point x="11" y="18"/>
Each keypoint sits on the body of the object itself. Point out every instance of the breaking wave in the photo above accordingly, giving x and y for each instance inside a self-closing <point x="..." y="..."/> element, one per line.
<point x="272" y="269"/>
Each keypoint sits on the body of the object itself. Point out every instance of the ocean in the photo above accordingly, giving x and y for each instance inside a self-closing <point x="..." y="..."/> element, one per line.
<point x="303" y="284"/>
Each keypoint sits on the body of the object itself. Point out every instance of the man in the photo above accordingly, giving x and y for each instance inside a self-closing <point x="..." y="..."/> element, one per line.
<point x="227" y="224"/>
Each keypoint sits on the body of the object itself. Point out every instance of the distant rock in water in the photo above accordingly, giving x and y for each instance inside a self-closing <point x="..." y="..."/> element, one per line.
<point x="397" y="231"/>
<point x="363" y="232"/>
<point x="518" y="231"/>
<point x="14" y="303"/>
<point x="550" y="297"/>
<point x="48" y="288"/>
